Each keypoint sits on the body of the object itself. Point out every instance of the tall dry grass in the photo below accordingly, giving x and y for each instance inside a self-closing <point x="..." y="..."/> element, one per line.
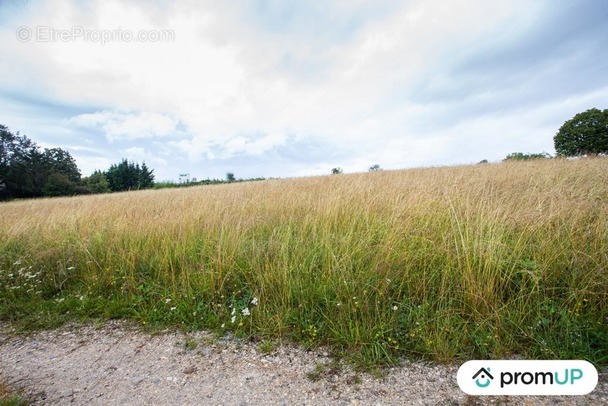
<point x="453" y="262"/>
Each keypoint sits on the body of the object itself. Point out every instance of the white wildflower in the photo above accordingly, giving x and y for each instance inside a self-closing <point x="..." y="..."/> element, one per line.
<point x="71" y="268"/>
<point x="173" y="308"/>
<point x="233" y="311"/>
<point x="245" y="312"/>
<point x="254" y="301"/>
<point x="233" y="319"/>
<point x="395" y="308"/>
<point x="168" y="300"/>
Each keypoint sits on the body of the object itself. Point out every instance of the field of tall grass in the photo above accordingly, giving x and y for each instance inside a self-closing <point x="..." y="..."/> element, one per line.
<point x="449" y="263"/>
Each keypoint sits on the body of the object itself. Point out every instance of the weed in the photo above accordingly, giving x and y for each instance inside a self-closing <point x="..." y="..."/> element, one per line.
<point x="266" y="346"/>
<point x="190" y="343"/>
<point x="323" y="370"/>
<point x="10" y="397"/>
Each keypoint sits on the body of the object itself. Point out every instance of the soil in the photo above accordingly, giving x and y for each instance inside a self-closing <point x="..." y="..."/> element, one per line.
<point x="117" y="364"/>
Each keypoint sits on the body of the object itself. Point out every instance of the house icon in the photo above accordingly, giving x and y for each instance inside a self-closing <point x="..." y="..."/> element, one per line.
<point x="483" y="374"/>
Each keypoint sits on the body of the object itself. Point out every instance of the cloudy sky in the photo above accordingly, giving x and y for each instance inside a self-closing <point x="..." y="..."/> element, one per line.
<point x="292" y="88"/>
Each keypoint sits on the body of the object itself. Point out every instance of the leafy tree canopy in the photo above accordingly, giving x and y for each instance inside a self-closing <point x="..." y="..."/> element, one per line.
<point x="129" y="176"/>
<point x="25" y="170"/>
<point x="97" y="182"/>
<point x="58" y="184"/>
<point x="586" y="133"/>
<point x="520" y="156"/>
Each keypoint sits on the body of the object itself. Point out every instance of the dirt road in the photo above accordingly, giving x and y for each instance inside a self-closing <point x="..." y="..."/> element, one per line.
<point x="117" y="365"/>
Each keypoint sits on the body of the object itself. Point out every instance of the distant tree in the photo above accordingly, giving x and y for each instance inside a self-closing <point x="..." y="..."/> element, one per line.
<point x="146" y="177"/>
<point x="585" y="133"/>
<point x="230" y="177"/>
<point x="60" y="161"/>
<point x="58" y="184"/>
<point x="7" y="149"/>
<point x="29" y="172"/>
<point x="336" y="171"/>
<point x="118" y="176"/>
<point x="25" y="170"/>
<point x="374" y="168"/>
<point x="20" y="161"/>
<point x="4" y="194"/>
<point x="97" y="182"/>
<point x="520" y="156"/>
<point x="129" y="176"/>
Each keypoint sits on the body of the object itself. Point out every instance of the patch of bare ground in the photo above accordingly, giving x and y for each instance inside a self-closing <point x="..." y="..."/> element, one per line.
<point x="118" y="364"/>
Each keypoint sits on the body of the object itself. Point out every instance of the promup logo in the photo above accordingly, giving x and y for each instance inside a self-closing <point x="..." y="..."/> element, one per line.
<point x="527" y="377"/>
<point x="485" y="376"/>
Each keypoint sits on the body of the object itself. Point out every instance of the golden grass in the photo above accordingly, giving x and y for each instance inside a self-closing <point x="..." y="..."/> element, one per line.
<point x="477" y="254"/>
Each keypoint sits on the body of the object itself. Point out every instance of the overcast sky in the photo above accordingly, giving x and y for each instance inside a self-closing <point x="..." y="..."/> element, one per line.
<point x="295" y="88"/>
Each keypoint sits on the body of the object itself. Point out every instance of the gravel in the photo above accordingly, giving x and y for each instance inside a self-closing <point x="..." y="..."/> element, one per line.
<point x="116" y="364"/>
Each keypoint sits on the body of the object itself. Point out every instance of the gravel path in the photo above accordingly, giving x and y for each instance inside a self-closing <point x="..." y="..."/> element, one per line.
<point x="118" y="365"/>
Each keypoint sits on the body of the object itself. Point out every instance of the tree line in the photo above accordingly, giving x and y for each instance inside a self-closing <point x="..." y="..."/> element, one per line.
<point x="27" y="171"/>
<point x="584" y="134"/>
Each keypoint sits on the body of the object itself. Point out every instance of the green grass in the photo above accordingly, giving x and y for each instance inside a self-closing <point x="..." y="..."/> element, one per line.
<point x="10" y="397"/>
<point x="442" y="263"/>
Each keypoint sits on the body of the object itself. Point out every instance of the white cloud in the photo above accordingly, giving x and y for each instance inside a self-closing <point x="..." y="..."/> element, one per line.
<point x="153" y="159"/>
<point x="119" y="126"/>
<point x="388" y="82"/>
<point x="254" y="145"/>
<point x="134" y="154"/>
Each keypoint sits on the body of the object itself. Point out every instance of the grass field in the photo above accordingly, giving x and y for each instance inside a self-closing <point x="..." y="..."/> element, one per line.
<point x="449" y="263"/>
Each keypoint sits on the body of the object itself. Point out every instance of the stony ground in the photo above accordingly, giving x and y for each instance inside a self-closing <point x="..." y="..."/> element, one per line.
<point x="117" y="365"/>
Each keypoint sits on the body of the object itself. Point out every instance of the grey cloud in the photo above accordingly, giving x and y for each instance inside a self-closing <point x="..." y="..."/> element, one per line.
<point x="564" y="53"/>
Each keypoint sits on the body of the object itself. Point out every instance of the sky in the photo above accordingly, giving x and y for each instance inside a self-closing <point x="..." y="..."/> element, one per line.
<point x="269" y="88"/>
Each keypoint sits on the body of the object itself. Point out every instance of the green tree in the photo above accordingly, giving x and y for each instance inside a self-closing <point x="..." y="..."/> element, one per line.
<point x="336" y="171"/>
<point x="60" y="161"/>
<point x="25" y="170"/>
<point x="586" y="133"/>
<point x="520" y="156"/>
<point x="129" y="176"/>
<point x="7" y="145"/>
<point x="22" y="165"/>
<point x="58" y="184"/>
<point x="97" y="182"/>
<point x="374" y="168"/>
<point x="146" y="177"/>
<point x="230" y="177"/>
